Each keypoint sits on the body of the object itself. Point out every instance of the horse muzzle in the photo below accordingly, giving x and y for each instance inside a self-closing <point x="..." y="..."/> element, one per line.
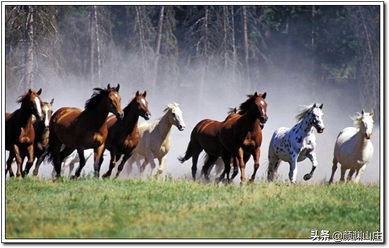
<point x="320" y="130"/>
<point x="368" y="135"/>
<point x="120" y="116"/>
<point x="147" y="116"/>
<point x="180" y="127"/>
<point x="263" y="119"/>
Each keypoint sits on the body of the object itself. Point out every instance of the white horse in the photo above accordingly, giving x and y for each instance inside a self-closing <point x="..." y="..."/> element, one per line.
<point x="294" y="144"/>
<point x="353" y="148"/>
<point x="155" y="139"/>
<point x="71" y="160"/>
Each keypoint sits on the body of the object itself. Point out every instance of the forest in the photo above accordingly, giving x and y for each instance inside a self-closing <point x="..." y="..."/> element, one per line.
<point x="166" y="47"/>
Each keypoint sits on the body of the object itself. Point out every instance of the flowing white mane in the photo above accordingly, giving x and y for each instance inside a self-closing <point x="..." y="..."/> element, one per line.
<point x="304" y="111"/>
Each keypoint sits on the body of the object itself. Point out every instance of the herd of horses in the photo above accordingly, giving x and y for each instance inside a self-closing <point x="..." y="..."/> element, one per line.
<point x="35" y="133"/>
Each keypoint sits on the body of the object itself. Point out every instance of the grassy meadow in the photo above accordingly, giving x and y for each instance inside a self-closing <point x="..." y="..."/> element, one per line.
<point x="89" y="208"/>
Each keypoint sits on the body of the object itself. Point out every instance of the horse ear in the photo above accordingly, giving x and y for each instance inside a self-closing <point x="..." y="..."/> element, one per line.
<point x="144" y="94"/>
<point x="363" y="112"/>
<point x="372" y="113"/>
<point x="39" y="91"/>
<point x="321" y="106"/>
<point x="52" y="101"/>
<point x="264" y="95"/>
<point x="29" y="91"/>
<point x="137" y="93"/>
<point x="314" y="105"/>
<point x="108" y="86"/>
<point x="118" y="87"/>
<point x="255" y="94"/>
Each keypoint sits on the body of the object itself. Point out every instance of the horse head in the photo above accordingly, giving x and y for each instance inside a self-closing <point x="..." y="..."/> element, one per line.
<point x="175" y="116"/>
<point x="261" y="107"/>
<point x="316" y="117"/>
<point x="142" y="105"/>
<point x="32" y="102"/>
<point x="114" y="101"/>
<point x="367" y="123"/>
<point x="47" y="109"/>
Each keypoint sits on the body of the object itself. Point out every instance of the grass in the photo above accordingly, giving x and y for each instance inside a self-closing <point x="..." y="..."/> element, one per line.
<point x="89" y="208"/>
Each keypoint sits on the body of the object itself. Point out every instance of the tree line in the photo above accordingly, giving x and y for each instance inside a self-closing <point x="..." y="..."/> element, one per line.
<point x="334" y="44"/>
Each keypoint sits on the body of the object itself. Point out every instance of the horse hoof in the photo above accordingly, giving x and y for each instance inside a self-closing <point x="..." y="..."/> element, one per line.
<point x="307" y="177"/>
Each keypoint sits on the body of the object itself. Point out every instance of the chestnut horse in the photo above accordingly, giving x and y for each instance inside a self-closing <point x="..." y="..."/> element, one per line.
<point x="19" y="131"/>
<point x="206" y="135"/>
<point x="251" y="145"/>
<point x="73" y="128"/>
<point x="123" y="135"/>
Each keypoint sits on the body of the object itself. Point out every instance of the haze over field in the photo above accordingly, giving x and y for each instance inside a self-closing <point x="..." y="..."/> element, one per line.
<point x="290" y="71"/>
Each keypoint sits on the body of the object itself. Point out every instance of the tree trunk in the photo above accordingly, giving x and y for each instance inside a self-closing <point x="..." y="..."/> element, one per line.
<point x="234" y="54"/>
<point x="98" y="45"/>
<point x="158" y="47"/>
<point x="246" y="43"/>
<point x="30" y="48"/>
<point x="139" y="15"/>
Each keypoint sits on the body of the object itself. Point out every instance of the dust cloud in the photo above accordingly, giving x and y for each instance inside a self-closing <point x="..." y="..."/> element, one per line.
<point x="286" y="92"/>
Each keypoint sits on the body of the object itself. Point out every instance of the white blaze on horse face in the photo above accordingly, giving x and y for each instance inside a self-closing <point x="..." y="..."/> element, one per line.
<point x="46" y="114"/>
<point x="319" y="117"/>
<point x="143" y="101"/>
<point x="368" y="123"/>
<point x="179" y="118"/>
<point x="38" y="106"/>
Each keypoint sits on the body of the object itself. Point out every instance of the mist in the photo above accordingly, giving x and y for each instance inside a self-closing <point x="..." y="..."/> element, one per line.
<point x="205" y="90"/>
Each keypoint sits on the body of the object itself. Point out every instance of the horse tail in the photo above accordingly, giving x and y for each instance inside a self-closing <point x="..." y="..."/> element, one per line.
<point x="51" y="151"/>
<point x="188" y="153"/>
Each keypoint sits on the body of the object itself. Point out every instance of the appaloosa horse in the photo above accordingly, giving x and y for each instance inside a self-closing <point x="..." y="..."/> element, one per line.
<point x="20" y="133"/>
<point x="72" y="128"/>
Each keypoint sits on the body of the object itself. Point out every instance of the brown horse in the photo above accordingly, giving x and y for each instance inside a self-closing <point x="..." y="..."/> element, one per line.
<point x="19" y="131"/>
<point x="73" y="128"/>
<point x="205" y="136"/>
<point x="123" y="135"/>
<point x="234" y="131"/>
<point x="41" y="128"/>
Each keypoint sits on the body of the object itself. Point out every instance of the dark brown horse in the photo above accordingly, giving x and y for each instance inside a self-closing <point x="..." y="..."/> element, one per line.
<point x="41" y="128"/>
<point x="205" y="136"/>
<point x="73" y="128"/>
<point x="234" y="132"/>
<point x="19" y="131"/>
<point x="123" y="135"/>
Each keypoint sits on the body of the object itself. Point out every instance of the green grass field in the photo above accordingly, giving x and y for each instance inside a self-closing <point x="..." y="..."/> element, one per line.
<point x="89" y="208"/>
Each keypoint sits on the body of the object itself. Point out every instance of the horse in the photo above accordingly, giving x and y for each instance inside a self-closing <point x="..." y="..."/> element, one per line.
<point x="234" y="132"/>
<point x="20" y="133"/>
<point x="251" y="145"/>
<point x="123" y="135"/>
<point x="76" y="129"/>
<point x="41" y="128"/>
<point x="353" y="148"/>
<point x="71" y="160"/>
<point x="155" y="139"/>
<point x="295" y="144"/>
<point x="205" y="136"/>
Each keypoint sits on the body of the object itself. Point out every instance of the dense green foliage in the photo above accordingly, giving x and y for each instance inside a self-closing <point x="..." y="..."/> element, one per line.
<point x="89" y="208"/>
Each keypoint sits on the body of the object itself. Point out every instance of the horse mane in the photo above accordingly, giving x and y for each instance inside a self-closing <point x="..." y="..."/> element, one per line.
<point x="245" y="106"/>
<point x="171" y="106"/>
<point x="357" y="119"/>
<point x="232" y="111"/>
<point x="303" y="112"/>
<point x="22" y="98"/>
<point x="95" y="99"/>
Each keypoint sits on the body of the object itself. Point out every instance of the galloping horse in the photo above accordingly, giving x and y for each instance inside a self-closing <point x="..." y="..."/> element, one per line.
<point x="41" y="128"/>
<point x="155" y="138"/>
<point x="123" y="135"/>
<point x="20" y="133"/>
<point x="353" y="148"/>
<point x="205" y="136"/>
<point x="252" y="143"/>
<point x="234" y="131"/>
<point x="80" y="130"/>
<point x="297" y="143"/>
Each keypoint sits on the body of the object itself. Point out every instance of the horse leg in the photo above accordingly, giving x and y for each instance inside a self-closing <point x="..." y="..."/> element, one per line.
<point x="359" y="173"/>
<point x="30" y="161"/>
<point x="334" y="167"/>
<point x="255" y="155"/>
<point x="38" y="163"/>
<point x="227" y="166"/>
<point x="112" y="164"/>
<point x="19" y="160"/>
<point x="242" y="165"/>
<point x="342" y="173"/>
<point x="350" y="175"/>
<point x="195" y="158"/>
<point x="9" y="164"/>
<point x="274" y="163"/>
<point x="312" y="157"/>
<point x="162" y="162"/>
<point x="293" y="168"/>
<point x="121" y="165"/>
<point x="207" y="165"/>
<point x="98" y="153"/>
